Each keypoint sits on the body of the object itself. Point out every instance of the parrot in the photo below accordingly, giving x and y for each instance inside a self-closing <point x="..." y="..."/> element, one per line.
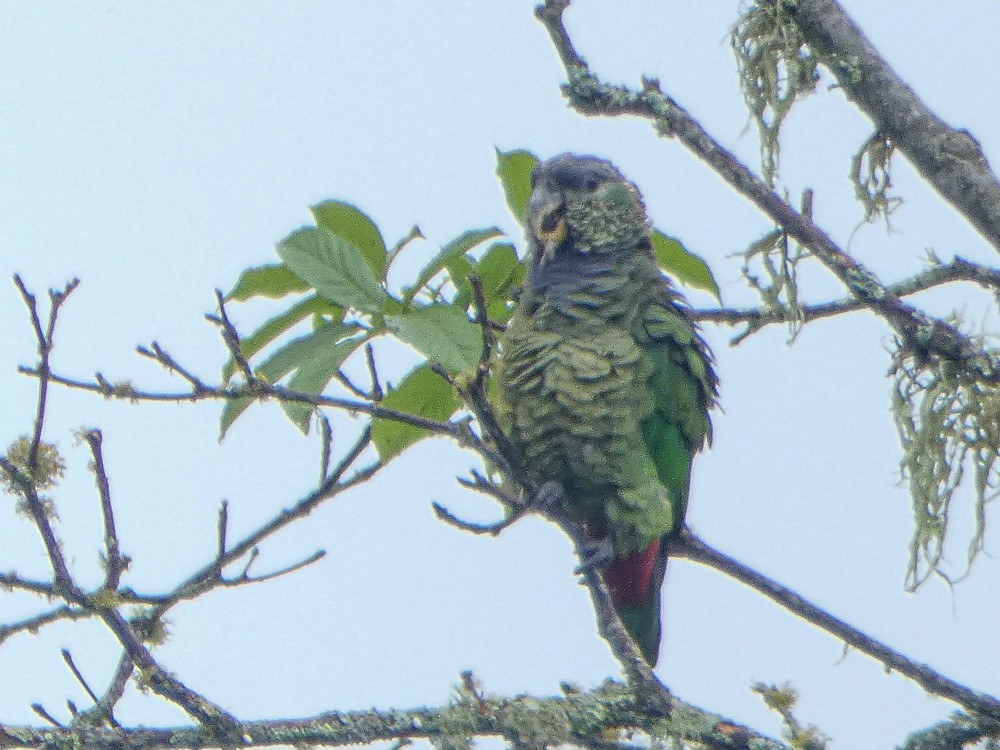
<point x="604" y="382"/>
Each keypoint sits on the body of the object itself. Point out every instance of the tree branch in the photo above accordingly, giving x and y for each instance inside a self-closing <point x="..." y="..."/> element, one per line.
<point x="44" y="338"/>
<point x="114" y="562"/>
<point x="958" y="270"/>
<point x="689" y="546"/>
<point x="949" y="159"/>
<point x="575" y="719"/>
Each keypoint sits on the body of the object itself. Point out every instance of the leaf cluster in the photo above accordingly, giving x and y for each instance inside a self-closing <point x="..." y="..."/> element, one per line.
<point x="336" y="276"/>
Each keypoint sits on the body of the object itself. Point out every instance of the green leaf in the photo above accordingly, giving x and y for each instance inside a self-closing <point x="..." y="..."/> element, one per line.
<point x="271" y="329"/>
<point x="300" y="351"/>
<point x="442" y="333"/>
<point x="424" y="393"/>
<point x="500" y="311"/>
<point x="274" y="280"/>
<point x="315" y="373"/>
<point x="334" y="267"/>
<point x="459" y="269"/>
<point x="514" y="169"/>
<point x="500" y="271"/>
<point x="354" y="227"/>
<point x="310" y="354"/>
<point x="684" y="265"/>
<point x="457" y="247"/>
<point x="231" y="411"/>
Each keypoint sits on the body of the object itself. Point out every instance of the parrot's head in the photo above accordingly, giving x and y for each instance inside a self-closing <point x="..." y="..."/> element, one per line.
<point x="583" y="204"/>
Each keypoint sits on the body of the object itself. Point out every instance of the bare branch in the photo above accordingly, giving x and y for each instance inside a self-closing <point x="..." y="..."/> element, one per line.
<point x="39" y="709"/>
<point x="15" y="581"/>
<point x="489" y="337"/>
<point x="326" y="451"/>
<point x="159" y="355"/>
<point x="114" y="561"/>
<point x="944" y="273"/>
<point x="480" y="483"/>
<point x="214" y="720"/>
<point x="45" y="338"/>
<point x="221" y="530"/>
<point x="261" y="389"/>
<point x="68" y="658"/>
<point x="245" y="578"/>
<point x="37" y="622"/>
<point x="689" y="546"/>
<point x="231" y="337"/>
<point x="209" y="576"/>
<point x="949" y="159"/>
<point x="574" y="719"/>
<point x="350" y="385"/>
<point x="493" y="529"/>
<point x="377" y="394"/>
<point x="103" y="708"/>
<point x="64" y="585"/>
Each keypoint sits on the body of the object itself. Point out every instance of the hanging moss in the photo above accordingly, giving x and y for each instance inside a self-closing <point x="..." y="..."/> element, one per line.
<point x="948" y="420"/>
<point x="775" y="67"/>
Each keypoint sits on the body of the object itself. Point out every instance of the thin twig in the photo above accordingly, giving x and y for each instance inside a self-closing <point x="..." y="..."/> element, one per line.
<point x="115" y="562"/>
<point x="245" y="578"/>
<point x="68" y="658"/>
<point x="37" y="622"/>
<point x="261" y="389"/>
<point x="489" y="337"/>
<point x="326" y="446"/>
<point x="45" y="338"/>
<point x="492" y="529"/>
<point x="231" y="337"/>
<point x="15" y="581"/>
<point x="351" y="386"/>
<point x="222" y="526"/>
<point x="159" y="354"/>
<point x="115" y="691"/>
<point x="203" y="579"/>
<point x="480" y="483"/>
<point x="63" y="581"/>
<point x="958" y="269"/>
<point x="377" y="394"/>
<point x="39" y="709"/>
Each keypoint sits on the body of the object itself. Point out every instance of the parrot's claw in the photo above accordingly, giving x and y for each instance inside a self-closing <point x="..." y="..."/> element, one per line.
<point x="595" y="554"/>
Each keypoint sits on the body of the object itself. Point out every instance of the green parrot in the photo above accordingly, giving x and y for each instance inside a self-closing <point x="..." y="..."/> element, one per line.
<point x="604" y="383"/>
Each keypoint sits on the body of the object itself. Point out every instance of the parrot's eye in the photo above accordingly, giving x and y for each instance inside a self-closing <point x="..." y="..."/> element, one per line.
<point x="551" y="221"/>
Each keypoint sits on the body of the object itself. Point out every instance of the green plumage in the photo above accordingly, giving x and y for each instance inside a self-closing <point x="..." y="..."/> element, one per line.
<point x="604" y="382"/>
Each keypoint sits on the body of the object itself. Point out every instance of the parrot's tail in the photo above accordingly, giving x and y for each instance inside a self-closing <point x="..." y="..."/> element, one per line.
<point x="635" y="583"/>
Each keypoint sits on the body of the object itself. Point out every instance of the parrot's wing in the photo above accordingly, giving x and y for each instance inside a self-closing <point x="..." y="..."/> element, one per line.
<point x="682" y="387"/>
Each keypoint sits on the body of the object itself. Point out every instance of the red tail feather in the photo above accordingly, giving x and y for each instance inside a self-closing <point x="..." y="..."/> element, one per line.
<point x="631" y="578"/>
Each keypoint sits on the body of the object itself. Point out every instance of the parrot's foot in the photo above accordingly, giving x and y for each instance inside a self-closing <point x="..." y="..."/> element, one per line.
<point x="595" y="554"/>
<point x="549" y="498"/>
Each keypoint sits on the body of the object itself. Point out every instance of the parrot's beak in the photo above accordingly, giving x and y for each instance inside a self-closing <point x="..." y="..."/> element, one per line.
<point x="548" y="224"/>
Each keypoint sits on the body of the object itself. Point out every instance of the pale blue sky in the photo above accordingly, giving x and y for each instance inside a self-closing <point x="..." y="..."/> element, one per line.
<point x="157" y="150"/>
